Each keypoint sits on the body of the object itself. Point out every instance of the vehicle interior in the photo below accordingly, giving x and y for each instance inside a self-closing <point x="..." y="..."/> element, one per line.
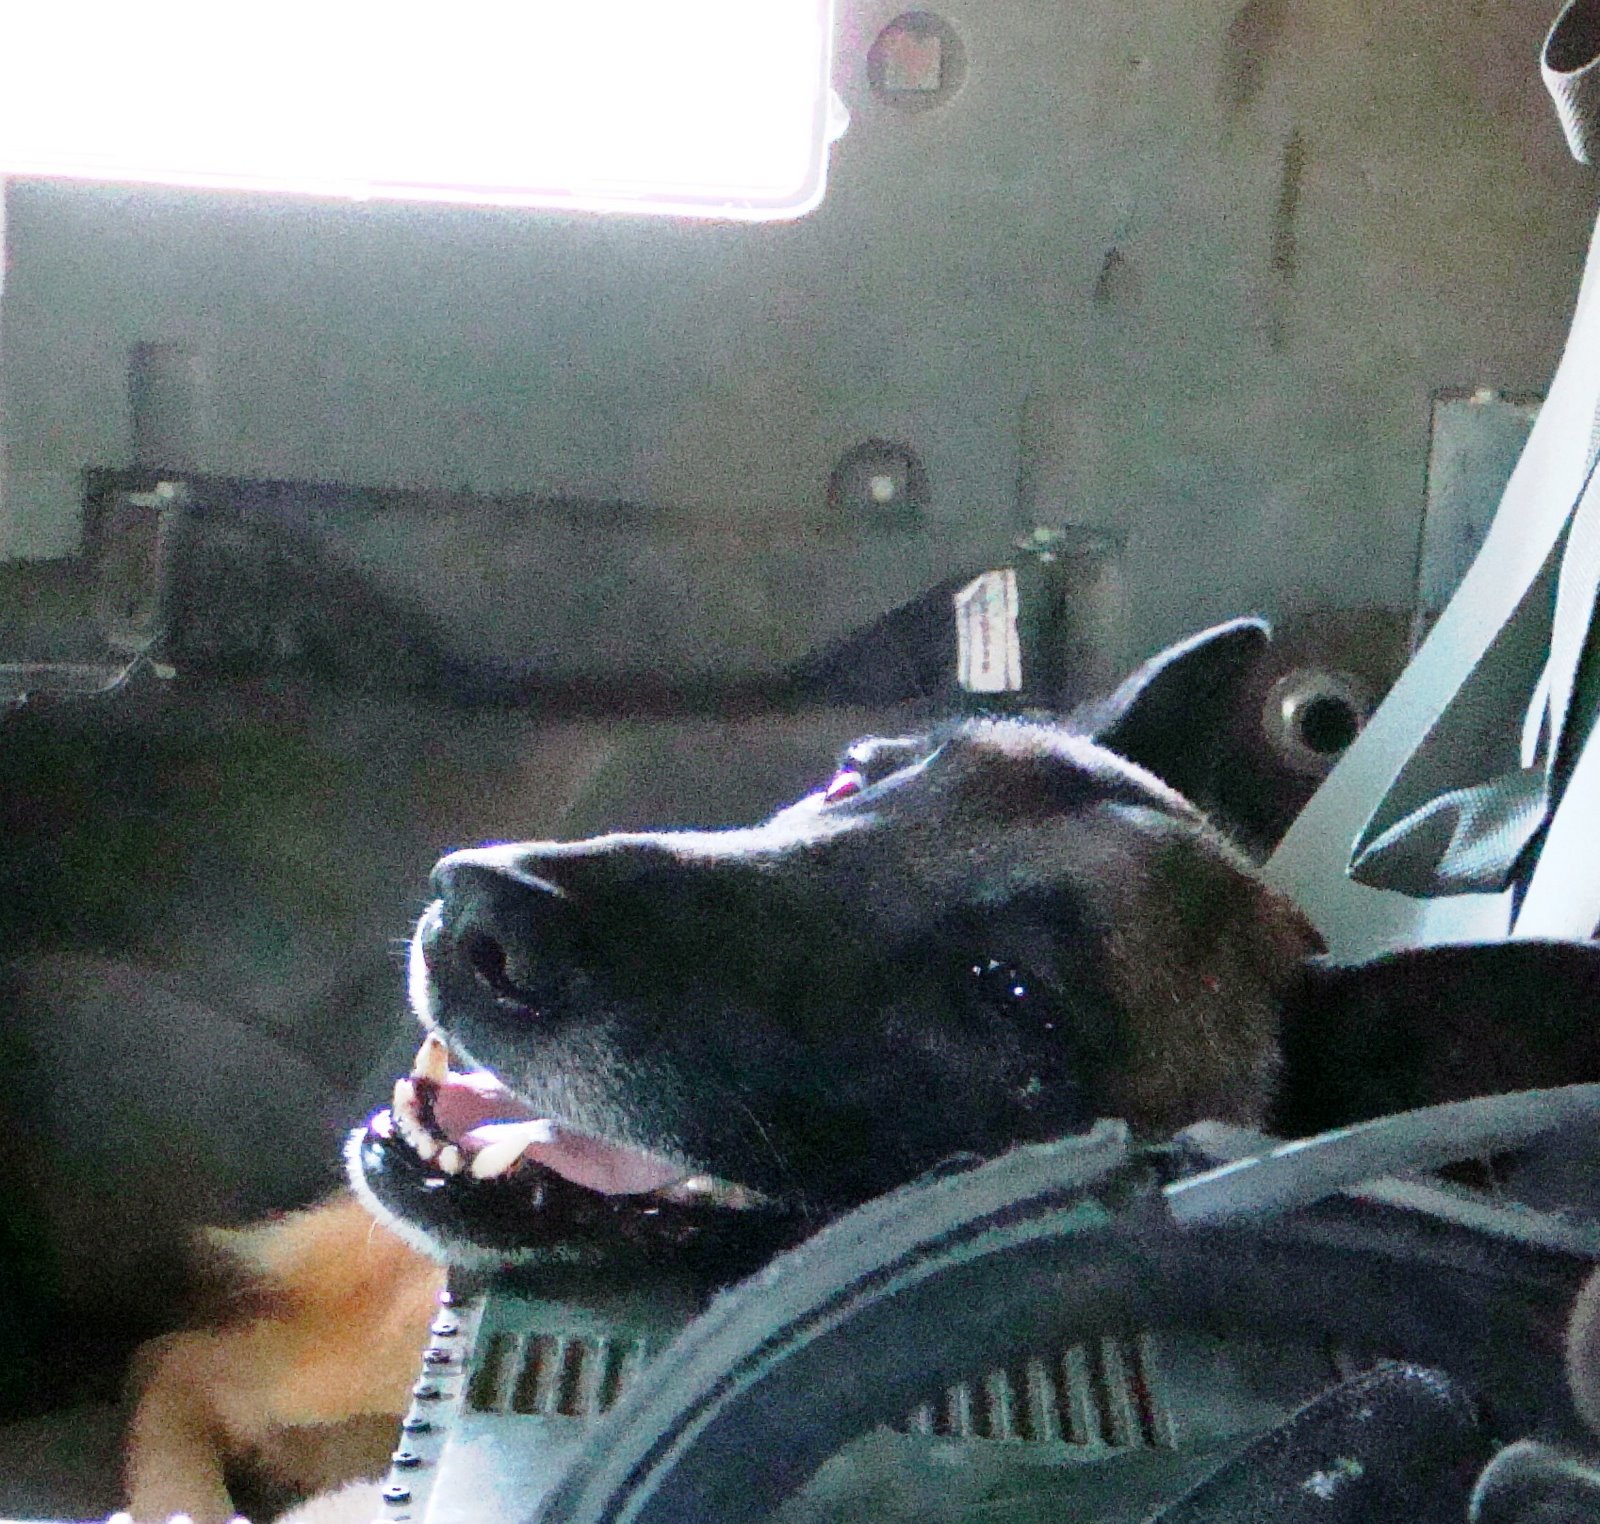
<point x="365" y="496"/>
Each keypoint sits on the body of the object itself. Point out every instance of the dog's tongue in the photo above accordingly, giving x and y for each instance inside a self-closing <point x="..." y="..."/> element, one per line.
<point x="494" y="1130"/>
<point x="589" y="1162"/>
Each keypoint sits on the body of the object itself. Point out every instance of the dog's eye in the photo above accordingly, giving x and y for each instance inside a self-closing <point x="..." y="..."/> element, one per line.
<point x="846" y="781"/>
<point x="1004" y="986"/>
<point x="1001" y="980"/>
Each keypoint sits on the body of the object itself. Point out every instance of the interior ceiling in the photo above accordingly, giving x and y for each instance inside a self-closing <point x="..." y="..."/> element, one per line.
<point x="1188" y="272"/>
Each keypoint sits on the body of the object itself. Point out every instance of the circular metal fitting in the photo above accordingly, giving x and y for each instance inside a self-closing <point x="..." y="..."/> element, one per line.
<point x="1311" y="716"/>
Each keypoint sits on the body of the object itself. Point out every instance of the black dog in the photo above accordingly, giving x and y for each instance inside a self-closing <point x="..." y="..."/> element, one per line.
<point x="984" y="936"/>
<point x="697" y="1047"/>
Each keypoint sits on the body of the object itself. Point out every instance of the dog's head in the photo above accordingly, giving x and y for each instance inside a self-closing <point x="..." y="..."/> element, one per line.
<point x="984" y="936"/>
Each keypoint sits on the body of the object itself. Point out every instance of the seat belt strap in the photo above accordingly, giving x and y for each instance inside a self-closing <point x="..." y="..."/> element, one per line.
<point x="1570" y="64"/>
<point x="1562" y="898"/>
<point x="1448" y="741"/>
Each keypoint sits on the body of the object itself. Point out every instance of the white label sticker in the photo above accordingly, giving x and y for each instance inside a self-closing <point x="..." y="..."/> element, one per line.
<point x="988" y="653"/>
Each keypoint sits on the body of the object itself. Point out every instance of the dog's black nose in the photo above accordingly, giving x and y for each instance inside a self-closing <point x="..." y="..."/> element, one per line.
<point x="504" y="928"/>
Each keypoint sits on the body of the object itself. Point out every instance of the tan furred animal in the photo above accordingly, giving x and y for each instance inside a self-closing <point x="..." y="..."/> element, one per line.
<point x="302" y="1375"/>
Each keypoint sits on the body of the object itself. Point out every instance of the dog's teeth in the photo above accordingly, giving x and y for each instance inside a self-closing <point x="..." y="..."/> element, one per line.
<point x="432" y="1061"/>
<point x="450" y="1160"/>
<point x="493" y="1161"/>
<point x="408" y="1121"/>
<point x="712" y="1192"/>
<point x="507" y="1144"/>
<point x="404" y="1105"/>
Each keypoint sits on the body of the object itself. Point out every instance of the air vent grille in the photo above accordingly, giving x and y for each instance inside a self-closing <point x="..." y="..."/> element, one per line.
<point x="1099" y="1395"/>
<point x="554" y="1375"/>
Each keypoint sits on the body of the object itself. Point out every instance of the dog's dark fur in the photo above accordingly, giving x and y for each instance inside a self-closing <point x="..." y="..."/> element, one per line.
<point x="987" y="935"/>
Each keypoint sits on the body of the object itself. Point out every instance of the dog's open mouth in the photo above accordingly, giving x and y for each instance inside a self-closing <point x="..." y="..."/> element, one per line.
<point x="461" y="1158"/>
<point x="467" y="1124"/>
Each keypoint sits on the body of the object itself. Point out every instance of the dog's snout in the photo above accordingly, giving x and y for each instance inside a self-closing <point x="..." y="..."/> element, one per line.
<point x="485" y="955"/>
<point x="501" y="927"/>
<point x="495" y="874"/>
<point x="466" y="873"/>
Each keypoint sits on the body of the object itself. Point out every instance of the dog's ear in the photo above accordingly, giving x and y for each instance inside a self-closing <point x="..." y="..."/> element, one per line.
<point x="1433" y="1024"/>
<point x="1175" y="714"/>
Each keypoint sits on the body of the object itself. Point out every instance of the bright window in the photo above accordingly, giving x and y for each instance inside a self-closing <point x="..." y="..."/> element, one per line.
<point x="711" y="107"/>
